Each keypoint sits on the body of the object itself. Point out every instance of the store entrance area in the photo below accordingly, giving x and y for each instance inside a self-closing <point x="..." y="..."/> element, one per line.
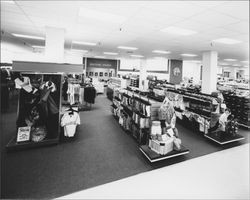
<point x="99" y="153"/>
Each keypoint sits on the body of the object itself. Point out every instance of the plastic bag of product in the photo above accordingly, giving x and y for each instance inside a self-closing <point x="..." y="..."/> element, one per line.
<point x="177" y="144"/>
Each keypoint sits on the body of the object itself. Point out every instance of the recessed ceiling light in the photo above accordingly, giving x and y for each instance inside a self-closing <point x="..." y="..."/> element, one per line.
<point x="236" y="65"/>
<point x="161" y="51"/>
<point x="188" y="55"/>
<point x="127" y="48"/>
<point x="99" y="56"/>
<point x="193" y="61"/>
<point x="80" y="50"/>
<point x="100" y="15"/>
<point x="227" y="41"/>
<point x="110" y="53"/>
<point x="245" y="61"/>
<point x="84" y="43"/>
<point x="223" y="64"/>
<point x="37" y="46"/>
<point x="178" y="31"/>
<point x="229" y="59"/>
<point x="137" y="56"/>
<point x="28" y="36"/>
<point x="10" y="2"/>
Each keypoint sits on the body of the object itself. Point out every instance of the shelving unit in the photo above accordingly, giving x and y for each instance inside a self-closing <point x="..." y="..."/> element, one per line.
<point x="154" y="157"/>
<point x="223" y="140"/>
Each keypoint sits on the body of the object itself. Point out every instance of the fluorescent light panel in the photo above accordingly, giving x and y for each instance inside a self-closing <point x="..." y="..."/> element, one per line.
<point x="28" y="36"/>
<point x="227" y="41"/>
<point x="188" y="55"/>
<point x="80" y="50"/>
<point x="137" y="56"/>
<point x="10" y="2"/>
<point x="161" y="51"/>
<point x="37" y="46"/>
<point x="110" y="53"/>
<point x="223" y="64"/>
<point x="178" y="31"/>
<point x="230" y="59"/>
<point x="245" y="61"/>
<point x="127" y="48"/>
<point x="100" y="56"/>
<point x="84" y="43"/>
<point x="101" y="16"/>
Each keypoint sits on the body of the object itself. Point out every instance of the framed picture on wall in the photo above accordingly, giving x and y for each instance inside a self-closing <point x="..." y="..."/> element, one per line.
<point x="90" y="73"/>
<point x="101" y="74"/>
<point x="87" y="73"/>
<point x="106" y="74"/>
<point x="96" y="73"/>
<point x="110" y="74"/>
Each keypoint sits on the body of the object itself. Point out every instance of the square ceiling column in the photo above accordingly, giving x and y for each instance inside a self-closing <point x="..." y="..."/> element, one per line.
<point x="54" y="44"/>
<point x="209" y="72"/>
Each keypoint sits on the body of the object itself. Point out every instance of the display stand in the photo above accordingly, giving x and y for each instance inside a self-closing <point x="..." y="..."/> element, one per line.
<point x="154" y="157"/>
<point x="47" y="112"/>
<point x="44" y="119"/>
<point x="218" y="138"/>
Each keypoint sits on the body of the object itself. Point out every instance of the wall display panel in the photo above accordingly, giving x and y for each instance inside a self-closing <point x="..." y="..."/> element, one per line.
<point x="175" y="71"/>
<point x="101" y="63"/>
<point x="128" y="64"/>
<point x="158" y="65"/>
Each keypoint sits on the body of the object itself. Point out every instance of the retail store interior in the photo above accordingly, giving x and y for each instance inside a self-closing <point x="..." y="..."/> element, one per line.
<point x="125" y="99"/>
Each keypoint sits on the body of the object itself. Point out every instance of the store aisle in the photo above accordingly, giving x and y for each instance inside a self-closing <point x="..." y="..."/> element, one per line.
<point x="221" y="175"/>
<point x="101" y="152"/>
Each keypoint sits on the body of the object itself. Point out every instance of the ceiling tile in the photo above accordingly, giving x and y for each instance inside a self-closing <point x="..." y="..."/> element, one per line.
<point x="236" y="9"/>
<point x="214" y="18"/>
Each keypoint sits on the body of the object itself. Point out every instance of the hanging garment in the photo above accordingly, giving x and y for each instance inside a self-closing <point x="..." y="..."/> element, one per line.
<point x="24" y="83"/>
<point x="64" y="90"/>
<point x="81" y="96"/>
<point x="89" y="95"/>
<point x="71" y="94"/>
<point x="49" y="85"/>
<point x="69" y="122"/>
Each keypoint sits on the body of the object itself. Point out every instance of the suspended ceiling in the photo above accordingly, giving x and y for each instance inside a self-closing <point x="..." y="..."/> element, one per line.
<point x="141" y="26"/>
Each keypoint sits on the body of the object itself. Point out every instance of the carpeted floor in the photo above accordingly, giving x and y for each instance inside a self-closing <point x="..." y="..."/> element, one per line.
<point x="101" y="152"/>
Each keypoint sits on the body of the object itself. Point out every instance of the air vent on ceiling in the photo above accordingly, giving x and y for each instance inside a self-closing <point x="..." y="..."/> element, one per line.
<point x="129" y="52"/>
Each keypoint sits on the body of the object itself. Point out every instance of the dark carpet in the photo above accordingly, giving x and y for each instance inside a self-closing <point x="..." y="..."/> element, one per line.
<point x="100" y="152"/>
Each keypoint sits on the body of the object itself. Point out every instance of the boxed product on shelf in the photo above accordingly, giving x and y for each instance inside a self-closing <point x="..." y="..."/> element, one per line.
<point x="162" y="147"/>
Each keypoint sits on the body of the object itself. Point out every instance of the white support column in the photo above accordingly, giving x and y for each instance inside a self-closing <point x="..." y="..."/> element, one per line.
<point x="143" y="74"/>
<point x="233" y="72"/>
<point x="54" y="44"/>
<point x="209" y="72"/>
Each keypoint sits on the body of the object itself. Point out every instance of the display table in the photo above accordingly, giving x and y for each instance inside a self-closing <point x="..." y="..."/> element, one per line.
<point x="154" y="157"/>
<point x="223" y="139"/>
<point x="13" y="145"/>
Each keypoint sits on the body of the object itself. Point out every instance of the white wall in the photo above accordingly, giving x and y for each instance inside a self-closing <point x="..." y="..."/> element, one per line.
<point x="192" y="69"/>
<point x="157" y="64"/>
<point x="129" y="64"/>
<point x="10" y="52"/>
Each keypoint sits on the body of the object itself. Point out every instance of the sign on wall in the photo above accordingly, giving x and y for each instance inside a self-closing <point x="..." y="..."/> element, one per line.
<point x="175" y="71"/>
<point x="101" y="63"/>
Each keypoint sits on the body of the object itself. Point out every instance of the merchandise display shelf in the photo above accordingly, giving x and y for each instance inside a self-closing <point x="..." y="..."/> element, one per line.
<point x="244" y="126"/>
<point x="13" y="145"/>
<point x="154" y="157"/>
<point x="214" y="136"/>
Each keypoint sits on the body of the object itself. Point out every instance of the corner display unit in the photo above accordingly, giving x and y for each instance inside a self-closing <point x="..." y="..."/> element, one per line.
<point x="38" y="116"/>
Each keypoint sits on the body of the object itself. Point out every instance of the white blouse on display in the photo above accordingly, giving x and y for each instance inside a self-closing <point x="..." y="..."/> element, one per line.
<point x="52" y="86"/>
<point x="69" y="122"/>
<point x="25" y="84"/>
